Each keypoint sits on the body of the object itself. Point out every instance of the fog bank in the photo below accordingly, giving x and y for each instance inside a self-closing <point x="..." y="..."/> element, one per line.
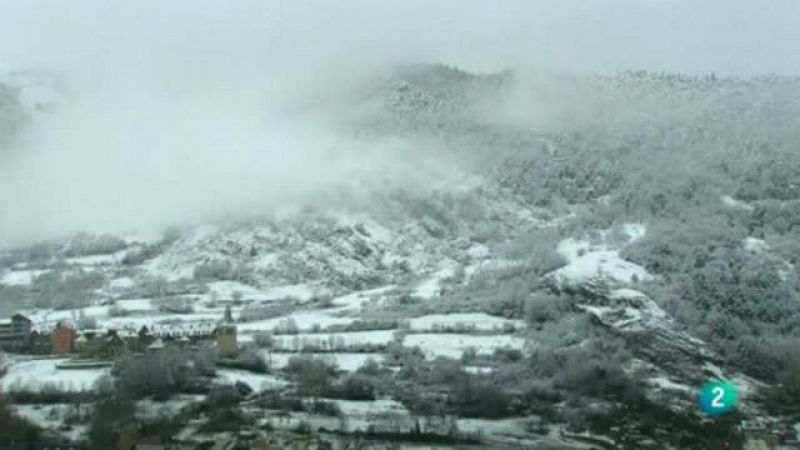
<point x="177" y="111"/>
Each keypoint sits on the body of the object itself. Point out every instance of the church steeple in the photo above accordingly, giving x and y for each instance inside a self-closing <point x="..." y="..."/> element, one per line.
<point x="228" y="315"/>
<point x="226" y="335"/>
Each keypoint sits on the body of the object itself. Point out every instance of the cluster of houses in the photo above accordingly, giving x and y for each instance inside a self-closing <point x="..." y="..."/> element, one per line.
<point x="18" y="335"/>
<point x="765" y="434"/>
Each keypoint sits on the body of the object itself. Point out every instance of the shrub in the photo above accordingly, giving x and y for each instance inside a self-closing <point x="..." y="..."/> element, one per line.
<point x="324" y="408"/>
<point x="141" y="255"/>
<point x="250" y="358"/>
<point x="214" y="270"/>
<point x="177" y="305"/>
<point x="288" y="326"/>
<point x="542" y="307"/>
<point x="225" y="420"/>
<point x="223" y="397"/>
<point x="86" y="245"/>
<point x="475" y="397"/>
<point x="784" y="398"/>
<point x="48" y="394"/>
<point x="61" y="289"/>
<point x="117" y="311"/>
<point x="272" y="310"/>
<point x="276" y="400"/>
<point x="314" y="376"/>
<point x="86" y="323"/>
<point x="469" y="356"/>
<point x="354" y="387"/>
<point x="14" y="429"/>
<point x="159" y="374"/>
<point x="263" y="339"/>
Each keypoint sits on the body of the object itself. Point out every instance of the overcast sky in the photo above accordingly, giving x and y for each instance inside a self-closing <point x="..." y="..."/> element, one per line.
<point x="180" y="108"/>
<point x="724" y="36"/>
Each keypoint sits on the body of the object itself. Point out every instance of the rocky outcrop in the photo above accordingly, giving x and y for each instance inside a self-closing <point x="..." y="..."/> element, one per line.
<point x="652" y="335"/>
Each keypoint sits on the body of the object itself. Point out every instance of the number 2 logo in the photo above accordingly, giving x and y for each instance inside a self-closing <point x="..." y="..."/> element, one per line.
<point x="717" y="397"/>
<point x="719" y="393"/>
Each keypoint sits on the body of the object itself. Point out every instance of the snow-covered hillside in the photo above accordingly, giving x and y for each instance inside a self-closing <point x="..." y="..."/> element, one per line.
<point x="489" y="285"/>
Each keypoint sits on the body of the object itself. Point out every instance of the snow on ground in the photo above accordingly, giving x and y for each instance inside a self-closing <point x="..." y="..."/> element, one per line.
<point x="713" y="369"/>
<point x="748" y="387"/>
<point x="605" y="264"/>
<point x="266" y="261"/>
<point x="122" y="283"/>
<point x="135" y="323"/>
<point x="663" y="382"/>
<point x="224" y="290"/>
<point x="302" y="292"/>
<point x="634" y="231"/>
<point x="363" y="415"/>
<point x="296" y="342"/>
<point x="430" y="287"/>
<point x="478" y="370"/>
<point x="506" y="427"/>
<point x="20" y="277"/>
<point x="143" y="236"/>
<point x="51" y="417"/>
<point x="97" y="260"/>
<point x="631" y="311"/>
<point x="361" y="408"/>
<point x="151" y="409"/>
<point x="342" y="360"/>
<point x="305" y="321"/>
<point x="36" y="374"/>
<point x="755" y="245"/>
<point x="141" y="312"/>
<point x="572" y="249"/>
<point x="490" y="264"/>
<point x="454" y="345"/>
<point x="478" y="251"/>
<point x="161" y="267"/>
<point x="45" y="319"/>
<point x="476" y="321"/>
<point x="356" y="299"/>
<point x="258" y="382"/>
<point x="137" y="305"/>
<point x="361" y="222"/>
<point x="733" y="203"/>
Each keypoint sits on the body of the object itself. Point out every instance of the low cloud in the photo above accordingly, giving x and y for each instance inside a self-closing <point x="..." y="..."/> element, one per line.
<point x="184" y="110"/>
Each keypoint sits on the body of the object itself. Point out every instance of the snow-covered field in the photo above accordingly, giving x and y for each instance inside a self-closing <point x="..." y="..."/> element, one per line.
<point x="296" y="342"/>
<point x="97" y="260"/>
<point x="665" y="383"/>
<point x="52" y="417"/>
<point x="476" y="321"/>
<point x="454" y="345"/>
<point x="34" y="375"/>
<point x="430" y="287"/>
<point x="225" y="290"/>
<point x="20" y="277"/>
<point x="153" y="410"/>
<point x="362" y="415"/>
<point x="606" y="264"/>
<point x="342" y="360"/>
<point x="356" y="408"/>
<point x="355" y="300"/>
<point x="256" y="381"/>
<point x="587" y="260"/>
<point x="305" y="321"/>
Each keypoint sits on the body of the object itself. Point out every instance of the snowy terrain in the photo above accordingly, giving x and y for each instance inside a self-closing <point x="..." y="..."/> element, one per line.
<point x="35" y="375"/>
<point x="447" y="258"/>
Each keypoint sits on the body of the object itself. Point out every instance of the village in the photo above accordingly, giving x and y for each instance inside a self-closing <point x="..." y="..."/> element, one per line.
<point x="18" y="335"/>
<point x="54" y="354"/>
